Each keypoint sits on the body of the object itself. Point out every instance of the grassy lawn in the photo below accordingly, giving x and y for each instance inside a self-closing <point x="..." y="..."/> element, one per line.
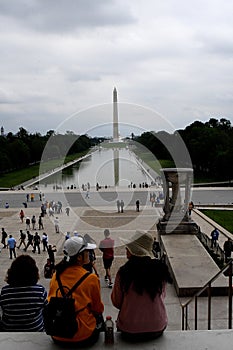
<point x="17" y="177"/>
<point x="152" y="162"/>
<point x="222" y="217"/>
<point x="113" y="144"/>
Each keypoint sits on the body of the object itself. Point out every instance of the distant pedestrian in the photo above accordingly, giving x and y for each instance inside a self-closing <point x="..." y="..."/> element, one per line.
<point x="40" y="222"/>
<point x="45" y="241"/>
<point x="118" y="206"/>
<point x="156" y="250"/>
<point x="107" y="248"/>
<point x="11" y="245"/>
<point x="190" y="208"/>
<point x="32" y="196"/>
<point x="67" y="211"/>
<point x="21" y="215"/>
<point x="4" y="237"/>
<point x="137" y="205"/>
<point x="56" y="224"/>
<point x="22" y="237"/>
<point x="87" y="194"/>
<point x="59" y="207"/>
<point x="122" y="206"/>
<point x="51" y="211"/>
<point x="152" y="198"/>
<point x="33" y="220"/>
<point x="27" y="197"/>
<point x="43" y="209"/>
<point x="7" y="205"/>
<point x="227" y="247"/>
<point x="29" y="241"/>
<point x="214" y="237"/>
<point x="36" y="243"/>
<point x="28" y="222"/>
<point x="51" y="251"/>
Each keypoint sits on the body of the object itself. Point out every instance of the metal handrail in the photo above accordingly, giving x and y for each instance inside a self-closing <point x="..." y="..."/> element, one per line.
<point x="206" y="240"/>
<point x="185" y="305"/>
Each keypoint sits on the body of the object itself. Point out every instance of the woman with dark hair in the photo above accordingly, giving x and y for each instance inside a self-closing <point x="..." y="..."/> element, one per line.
<point x="139" y="291"/>
<point x="87" y="296"/>
<point x="22" y="300"/>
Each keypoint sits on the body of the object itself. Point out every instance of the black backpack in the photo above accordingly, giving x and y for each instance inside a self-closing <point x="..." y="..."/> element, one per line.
<point x="59" y="313"/>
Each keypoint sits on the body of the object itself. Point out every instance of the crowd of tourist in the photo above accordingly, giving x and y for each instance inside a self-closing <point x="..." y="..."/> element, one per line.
<point x="131" y="295"/>
<point x="139" y="298"/>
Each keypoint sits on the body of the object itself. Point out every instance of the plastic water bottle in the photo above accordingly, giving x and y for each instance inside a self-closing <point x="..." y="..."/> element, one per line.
<point x="109" y="330"/>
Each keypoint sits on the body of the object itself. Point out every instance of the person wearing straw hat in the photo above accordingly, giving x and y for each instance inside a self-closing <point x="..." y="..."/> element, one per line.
<point x="139" y="291"/>
<point x="87" y="296"/>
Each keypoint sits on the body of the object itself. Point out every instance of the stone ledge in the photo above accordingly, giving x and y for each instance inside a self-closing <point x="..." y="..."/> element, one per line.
<point x="171" y="340"/>
<point x="191" y="266"/>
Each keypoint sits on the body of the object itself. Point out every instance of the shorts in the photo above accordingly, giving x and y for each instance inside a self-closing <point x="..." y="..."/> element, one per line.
<point x="107" y="263"/>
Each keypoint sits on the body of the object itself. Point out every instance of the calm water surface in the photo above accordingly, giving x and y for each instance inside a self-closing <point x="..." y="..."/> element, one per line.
<point x="107" y="167"/>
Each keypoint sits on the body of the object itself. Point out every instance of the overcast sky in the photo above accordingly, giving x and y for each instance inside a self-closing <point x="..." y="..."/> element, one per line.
<point x="62" y="58"/>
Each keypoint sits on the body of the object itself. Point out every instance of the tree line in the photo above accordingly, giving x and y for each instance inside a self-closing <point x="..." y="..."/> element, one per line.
<point x="22" y="149"/>
<point x="209" y="144"/>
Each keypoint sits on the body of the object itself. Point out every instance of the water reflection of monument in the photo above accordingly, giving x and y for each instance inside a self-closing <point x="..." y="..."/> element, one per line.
<point x="116" y="166"/>
<point x="115" y="137"/>
<point x="176" y="218"/>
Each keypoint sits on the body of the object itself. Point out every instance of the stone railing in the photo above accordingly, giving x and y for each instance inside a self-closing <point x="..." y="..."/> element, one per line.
<point x="170" y="340"/>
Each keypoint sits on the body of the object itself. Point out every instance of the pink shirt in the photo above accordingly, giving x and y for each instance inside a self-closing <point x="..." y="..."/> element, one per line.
<point x="107" y="247"/>
<point x="138" y="313"/>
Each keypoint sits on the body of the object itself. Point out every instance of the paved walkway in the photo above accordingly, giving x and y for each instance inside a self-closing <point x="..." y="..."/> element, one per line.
<point x="121" y="225"/>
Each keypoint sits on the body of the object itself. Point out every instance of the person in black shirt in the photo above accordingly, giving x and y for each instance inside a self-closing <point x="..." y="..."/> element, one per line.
<point x="4" y="237"/>
<point x="30" y="241"/>
<point x="51" y="251"/>
<point x="36" y="241"/>
<point x="227" y="247"/>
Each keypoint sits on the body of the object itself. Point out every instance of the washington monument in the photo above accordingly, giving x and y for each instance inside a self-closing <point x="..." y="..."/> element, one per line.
<point x="115" y="116"/>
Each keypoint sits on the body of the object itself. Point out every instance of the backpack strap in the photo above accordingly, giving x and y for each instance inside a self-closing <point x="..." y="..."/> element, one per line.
<point x="66" y="295"/>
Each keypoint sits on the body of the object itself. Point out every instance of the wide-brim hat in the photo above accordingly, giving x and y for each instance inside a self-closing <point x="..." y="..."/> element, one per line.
<point x="140" y="244"/>
<point x="76" y="245"/>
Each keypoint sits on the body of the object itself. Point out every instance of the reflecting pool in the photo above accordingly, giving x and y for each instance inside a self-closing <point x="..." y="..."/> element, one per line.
<point x="106" y="167"/>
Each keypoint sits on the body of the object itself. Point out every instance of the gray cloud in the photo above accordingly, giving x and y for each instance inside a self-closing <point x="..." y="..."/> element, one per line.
<point x="59" y="16"/>
<point x="60" y="57"/>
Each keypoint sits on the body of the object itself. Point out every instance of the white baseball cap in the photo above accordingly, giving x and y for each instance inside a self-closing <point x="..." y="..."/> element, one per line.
<point x="76" y="245"/>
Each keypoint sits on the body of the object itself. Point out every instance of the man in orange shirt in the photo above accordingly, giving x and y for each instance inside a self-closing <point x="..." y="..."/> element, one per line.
<point x="87" y="296"/>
